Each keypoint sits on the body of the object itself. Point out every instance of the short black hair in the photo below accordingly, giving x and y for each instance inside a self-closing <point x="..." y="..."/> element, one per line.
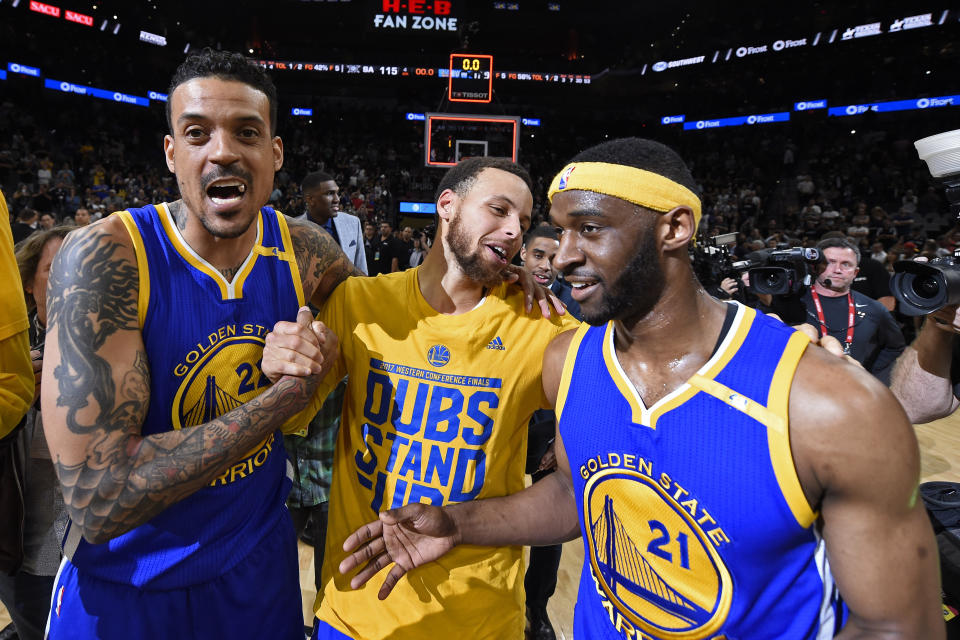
<point x="841" y="243"/>
<point x="224" y="65"/>
<point x="461" y="177"/>
<point x="641" y="153"/>
<point x="313" y="180"/>
<point x="541" y="231"/>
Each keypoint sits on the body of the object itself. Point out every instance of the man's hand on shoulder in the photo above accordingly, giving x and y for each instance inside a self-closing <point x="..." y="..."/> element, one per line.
<point x="533" y="292"/>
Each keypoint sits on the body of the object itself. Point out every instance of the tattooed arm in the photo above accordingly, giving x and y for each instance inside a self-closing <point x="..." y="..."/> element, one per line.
<point x="95" y="393"/>
<point x="322" y="263"/>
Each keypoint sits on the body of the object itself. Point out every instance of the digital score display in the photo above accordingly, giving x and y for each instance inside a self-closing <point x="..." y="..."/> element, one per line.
<point x="470" y="78"/>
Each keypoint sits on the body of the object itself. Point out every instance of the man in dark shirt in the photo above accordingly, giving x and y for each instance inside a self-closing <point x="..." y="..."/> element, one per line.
<point x="25" y="224"/>
<point x="385" y="251"/>
<point x="370" y="242"/>
<point x="863" y="326"/>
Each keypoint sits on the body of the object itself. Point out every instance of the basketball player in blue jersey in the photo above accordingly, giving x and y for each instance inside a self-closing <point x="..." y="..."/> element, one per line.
<point x="727" y="480"/>
<point x="163" y="431"/>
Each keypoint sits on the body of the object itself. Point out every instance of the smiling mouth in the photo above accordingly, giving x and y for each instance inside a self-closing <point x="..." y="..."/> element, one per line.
<point x="499" y="252"/>
<point x="225" y="193"/>
<point x="541" y="278"/>
<point x="582" y="289"/>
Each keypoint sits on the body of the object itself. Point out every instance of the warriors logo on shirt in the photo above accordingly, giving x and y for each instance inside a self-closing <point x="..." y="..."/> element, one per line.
<point x="653" y="555"/>
<point x="220" y="374"/>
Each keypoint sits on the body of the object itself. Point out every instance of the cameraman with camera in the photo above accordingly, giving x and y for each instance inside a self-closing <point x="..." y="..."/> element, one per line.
<point x="926" y="378"/>
<point x="864" y="327"/>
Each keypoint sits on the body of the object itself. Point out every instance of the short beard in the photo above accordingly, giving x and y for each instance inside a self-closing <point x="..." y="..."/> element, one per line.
<point x="636" y="291"/>
<point x="471" y="263"/>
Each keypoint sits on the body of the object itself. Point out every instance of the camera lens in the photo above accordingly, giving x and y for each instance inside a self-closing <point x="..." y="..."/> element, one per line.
<point x="772" y="280"/>
<point x="925" y="287"/>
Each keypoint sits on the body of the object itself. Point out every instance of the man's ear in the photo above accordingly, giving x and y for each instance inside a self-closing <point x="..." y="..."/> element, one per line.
<point x="168" y="152"/>
<point x="680" y="227"/>
<point x="277" y="153"/>
<point x="447" y="204"/>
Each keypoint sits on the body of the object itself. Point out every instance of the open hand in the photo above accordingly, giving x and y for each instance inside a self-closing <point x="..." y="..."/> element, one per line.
<point x="410" y="537"/>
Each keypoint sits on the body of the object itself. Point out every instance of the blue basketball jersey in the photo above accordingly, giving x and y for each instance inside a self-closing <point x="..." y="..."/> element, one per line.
<point x="694" y="523"/>
<point x="204" y="340"/>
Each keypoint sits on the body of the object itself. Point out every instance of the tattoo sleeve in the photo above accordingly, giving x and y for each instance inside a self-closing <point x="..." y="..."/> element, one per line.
<point x="321" y="261"/>
<point x="113" y="478"/>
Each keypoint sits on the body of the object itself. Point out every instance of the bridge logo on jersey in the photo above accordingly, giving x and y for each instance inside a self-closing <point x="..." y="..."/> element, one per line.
<point x="438" y="355"/>
<point x="657" y="570"/>
<point x="219" y="374"/>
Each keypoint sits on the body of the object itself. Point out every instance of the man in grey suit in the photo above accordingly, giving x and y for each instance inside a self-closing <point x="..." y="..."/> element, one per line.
<point x="322" y="197"/>
<point x="312" y="455"/>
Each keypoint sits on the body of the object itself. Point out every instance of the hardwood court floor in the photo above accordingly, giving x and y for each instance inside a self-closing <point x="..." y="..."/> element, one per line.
<point x="939" y="457"/>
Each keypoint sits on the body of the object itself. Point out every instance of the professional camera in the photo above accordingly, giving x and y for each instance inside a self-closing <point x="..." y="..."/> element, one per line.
<point x="712" y="261"/>
<point x="780" y="272"/>
<point x="925" y="287"/>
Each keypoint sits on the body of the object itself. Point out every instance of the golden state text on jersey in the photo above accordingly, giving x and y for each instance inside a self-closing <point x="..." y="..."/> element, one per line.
<point x="694" y="523"/>
<point x="204" y="338"/>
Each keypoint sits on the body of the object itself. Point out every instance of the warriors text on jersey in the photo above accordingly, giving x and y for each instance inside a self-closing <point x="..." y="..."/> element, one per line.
<point x="204" y="339"/>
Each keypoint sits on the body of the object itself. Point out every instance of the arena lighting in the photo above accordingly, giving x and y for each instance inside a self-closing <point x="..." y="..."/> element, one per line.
<point x="736" y="121"/>
<point x="895" y="105"/>
<point x="116" y="29"/>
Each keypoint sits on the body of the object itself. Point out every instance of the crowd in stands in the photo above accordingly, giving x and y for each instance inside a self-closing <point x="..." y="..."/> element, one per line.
<point x="774" y="185"/>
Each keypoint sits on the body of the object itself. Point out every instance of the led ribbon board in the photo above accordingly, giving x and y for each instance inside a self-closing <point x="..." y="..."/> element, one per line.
<point x="736" y="121"/>
<point x="895" y="105"/>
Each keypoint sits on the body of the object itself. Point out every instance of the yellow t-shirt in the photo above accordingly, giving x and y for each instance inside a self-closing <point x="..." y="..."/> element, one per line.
<point x="16" y="372"/>
<point x="436" y="411"/>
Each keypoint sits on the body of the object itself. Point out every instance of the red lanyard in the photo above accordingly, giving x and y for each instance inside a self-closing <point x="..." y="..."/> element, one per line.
<point x="823" y="322"/>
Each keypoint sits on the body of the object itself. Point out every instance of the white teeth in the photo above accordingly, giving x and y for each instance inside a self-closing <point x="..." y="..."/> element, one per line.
<point x="243" y="187"/>
<point x="498" y="251"/>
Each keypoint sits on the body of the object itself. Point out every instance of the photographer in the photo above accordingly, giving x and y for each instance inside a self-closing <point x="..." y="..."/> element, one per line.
<point x="863" y="326"/>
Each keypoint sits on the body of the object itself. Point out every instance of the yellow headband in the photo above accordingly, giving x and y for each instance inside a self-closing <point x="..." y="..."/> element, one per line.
<point x="638" y="186"/>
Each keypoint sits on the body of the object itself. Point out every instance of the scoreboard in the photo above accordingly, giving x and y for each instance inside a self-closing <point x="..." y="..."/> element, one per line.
<point x="470" y="78"/>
